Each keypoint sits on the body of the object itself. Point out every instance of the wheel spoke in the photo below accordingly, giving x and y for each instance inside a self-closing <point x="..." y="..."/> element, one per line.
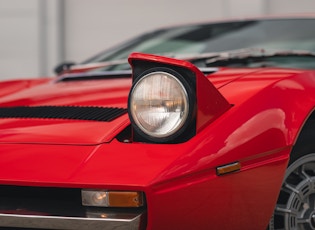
<point x="282" y="210"/>
<point x="302" y="221"/>
<point x="303" y="172"/>
<point x="291" y="188"/>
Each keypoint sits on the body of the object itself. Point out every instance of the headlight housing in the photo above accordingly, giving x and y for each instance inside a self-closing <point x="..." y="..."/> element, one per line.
<point x="161" y="104"/>
<point x="170" y="101"/>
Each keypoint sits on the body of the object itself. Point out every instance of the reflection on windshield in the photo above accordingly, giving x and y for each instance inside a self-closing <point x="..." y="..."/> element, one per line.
<point x="280" y="34"/>
<point x="287" y="34"/>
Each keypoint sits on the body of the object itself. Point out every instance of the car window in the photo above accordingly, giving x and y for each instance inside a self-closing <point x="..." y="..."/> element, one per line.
<point x="278" y="34"/>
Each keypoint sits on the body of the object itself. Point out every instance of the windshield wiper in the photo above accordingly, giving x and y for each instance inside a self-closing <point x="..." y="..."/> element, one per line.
<point x="254" y="55"/>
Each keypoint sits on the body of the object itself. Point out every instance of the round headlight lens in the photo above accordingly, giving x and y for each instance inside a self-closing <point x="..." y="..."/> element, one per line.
<point x="159" y="104"/>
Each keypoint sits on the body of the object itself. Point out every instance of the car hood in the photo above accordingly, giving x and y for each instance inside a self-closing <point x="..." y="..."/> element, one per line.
<point x="29" y="125"/>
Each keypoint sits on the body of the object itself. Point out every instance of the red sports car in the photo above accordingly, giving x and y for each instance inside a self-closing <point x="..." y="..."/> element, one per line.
<point x="206" y="126"/>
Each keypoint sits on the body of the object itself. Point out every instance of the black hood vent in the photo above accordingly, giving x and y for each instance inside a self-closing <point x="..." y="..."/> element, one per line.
<point x="63" y="112"/>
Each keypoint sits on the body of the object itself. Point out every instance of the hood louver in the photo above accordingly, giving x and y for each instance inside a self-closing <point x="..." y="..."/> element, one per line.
<point x="90" y="113"/>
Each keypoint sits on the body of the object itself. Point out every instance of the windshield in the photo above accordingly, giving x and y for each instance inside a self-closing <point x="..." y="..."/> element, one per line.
<point x="285" y="34"/>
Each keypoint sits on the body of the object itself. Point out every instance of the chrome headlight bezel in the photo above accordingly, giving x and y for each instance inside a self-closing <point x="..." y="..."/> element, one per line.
<point x="184" y="90"/>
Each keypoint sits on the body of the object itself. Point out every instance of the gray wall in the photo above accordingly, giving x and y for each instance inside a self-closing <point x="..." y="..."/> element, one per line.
<point x="38" y="34"/>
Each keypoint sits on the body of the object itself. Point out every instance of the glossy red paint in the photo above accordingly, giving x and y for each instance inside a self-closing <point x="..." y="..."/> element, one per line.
<point x="113" y="92"/>
<point x="43" y="131"/>
<point x="179" y="180"/>
<point x="9" y="87"/>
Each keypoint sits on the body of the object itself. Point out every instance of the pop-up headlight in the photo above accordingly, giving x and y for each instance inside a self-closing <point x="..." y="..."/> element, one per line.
<point x="170" y="100"/>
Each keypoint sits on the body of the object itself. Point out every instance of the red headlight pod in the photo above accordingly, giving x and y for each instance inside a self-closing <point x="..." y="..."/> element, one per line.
<point x="171" y="100"/>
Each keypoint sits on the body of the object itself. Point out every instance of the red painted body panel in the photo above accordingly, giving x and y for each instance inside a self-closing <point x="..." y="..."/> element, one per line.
<point x="112" y="92"/>
<point x="92" y="93"/>
<point x="43" y="131"/>
<point x="258" y="130"/>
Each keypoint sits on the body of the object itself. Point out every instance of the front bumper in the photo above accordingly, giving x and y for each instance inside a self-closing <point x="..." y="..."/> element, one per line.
<point x="119" y="222"/>
<point x="61" y="208"/>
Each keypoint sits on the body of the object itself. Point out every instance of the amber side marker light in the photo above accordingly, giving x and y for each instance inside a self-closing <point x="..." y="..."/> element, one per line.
<point x="104" y="198"/>
<point x="229" y="168"/>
